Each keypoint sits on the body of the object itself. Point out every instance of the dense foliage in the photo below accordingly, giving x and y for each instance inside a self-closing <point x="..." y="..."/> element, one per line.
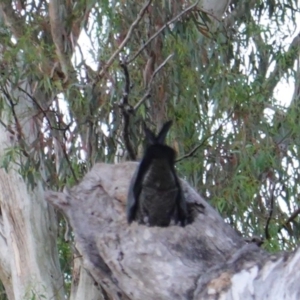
<point x="237" y="136"/>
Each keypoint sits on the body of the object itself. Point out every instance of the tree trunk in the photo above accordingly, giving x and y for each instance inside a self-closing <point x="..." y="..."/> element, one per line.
<point x="29" y="257"/>
<point x="204" y="260"/>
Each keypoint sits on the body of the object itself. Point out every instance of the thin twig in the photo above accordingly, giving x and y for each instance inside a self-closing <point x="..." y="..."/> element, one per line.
<point x="148" y="91"/>
<point x="290" y="219"/>
<point x="191" y="153"/>
<point x="19" y="131"/>
<point x="126" y="39"/>
<point x="54" y="128"/>
<point x="44" y="112"/>
<point x="162" y="29"/>
<point x="62" y="145"/>
<point x="7" y="127"/>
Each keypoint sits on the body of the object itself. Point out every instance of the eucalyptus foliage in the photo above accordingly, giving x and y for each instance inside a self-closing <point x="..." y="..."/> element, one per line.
<point x="237" y="140"/>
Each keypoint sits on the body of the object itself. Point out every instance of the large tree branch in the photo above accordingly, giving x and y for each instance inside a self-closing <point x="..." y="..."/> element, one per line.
<point x="137" y="261"/>
<point x="12" y="21"/>
<point x="263" y="54"/>
<point x="204" y="260"/>
<point x="296" y="94"/>
<point x="57" y="15"/>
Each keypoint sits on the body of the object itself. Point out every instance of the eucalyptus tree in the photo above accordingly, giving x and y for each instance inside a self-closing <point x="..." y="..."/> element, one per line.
<point x="79" y="78"/>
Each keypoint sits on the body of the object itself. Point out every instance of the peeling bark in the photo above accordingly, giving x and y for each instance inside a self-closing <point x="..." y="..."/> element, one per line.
<point x="29" y="265"/>
<point x="83" y="284"/>
<point x="204" y="260"/>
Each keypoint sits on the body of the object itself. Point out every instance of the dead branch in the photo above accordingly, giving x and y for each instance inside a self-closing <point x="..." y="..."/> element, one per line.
<point x="127" y="111"/>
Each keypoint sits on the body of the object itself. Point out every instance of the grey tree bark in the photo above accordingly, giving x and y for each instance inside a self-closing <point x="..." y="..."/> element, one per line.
<point x="29" y="264"/>
<point x="204" y="260"/>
